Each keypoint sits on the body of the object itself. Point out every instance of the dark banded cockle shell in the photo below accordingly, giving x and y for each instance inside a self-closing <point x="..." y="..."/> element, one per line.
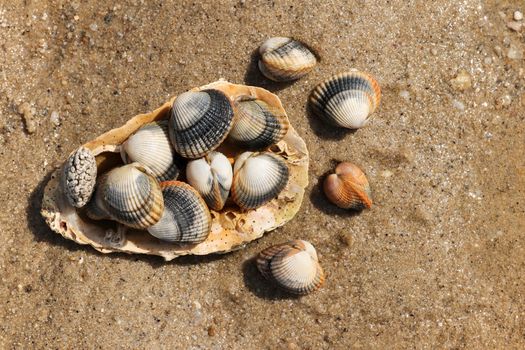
<point x="347" y="99"/>
<point x="348" y="187"/>
<point x="257" y="125"/>
<point x="258" y="178"/>
<point x="186" y="218"/>
<point x="212" y="177"/>
<point x="79" y="176"/>
<point x="199" y="122"/>
<point x="285" y="59"/>
<point x="293" y="266"/>
<point x="129" y="195"/>
<point x="150" y="146"/>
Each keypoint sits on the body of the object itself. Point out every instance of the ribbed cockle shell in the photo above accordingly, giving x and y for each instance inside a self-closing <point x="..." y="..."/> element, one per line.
<point x="258" y="178"/>
<point x="293" y="266"/>
<point x="79" y="176"/>
<point x="186" y="217"/>
<point x="212" y="177"/>
<point x="347" y="99"/>
<point x="257" y="125"/>
<point x="285" y="59"/>
<point x="151" y="146"/>
<point x="348" y="188"/>
<point x="199" y="122"/>
<point x="129" y="195"/>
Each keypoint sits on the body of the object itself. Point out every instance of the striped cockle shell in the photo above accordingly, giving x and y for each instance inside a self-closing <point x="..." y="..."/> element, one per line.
<point x="347" y="99"/>
<point x="186" y="218"/>
<point x="129" y="195"/>
<point x="293" y="266"/>
<point x="285" y="59"/>
<point x="257" y="124"/>
<point x="151" y="146"/>
<point x="258" y="178"/>
<point x="348" y="187"/>
<point x="212" y="177"/>
<point x="79" y="176"/>
<point x="199" y="122"/>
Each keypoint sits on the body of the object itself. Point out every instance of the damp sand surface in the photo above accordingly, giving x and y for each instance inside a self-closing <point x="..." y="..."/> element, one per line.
<point x="438" y="262"/>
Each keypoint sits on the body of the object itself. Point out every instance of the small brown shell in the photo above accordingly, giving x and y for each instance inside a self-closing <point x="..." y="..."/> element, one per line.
<point x="348" y="188"/>
<point x="293" y="266"/>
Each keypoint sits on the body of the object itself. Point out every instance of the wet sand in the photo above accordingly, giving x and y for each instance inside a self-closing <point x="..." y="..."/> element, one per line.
<point x="439" y="260"/>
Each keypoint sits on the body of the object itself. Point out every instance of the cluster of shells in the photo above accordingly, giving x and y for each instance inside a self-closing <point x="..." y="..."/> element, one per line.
<point x="213" y="169"/>
<point x="209" y="171"/>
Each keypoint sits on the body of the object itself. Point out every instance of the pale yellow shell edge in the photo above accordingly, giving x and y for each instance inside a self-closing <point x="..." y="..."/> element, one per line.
<point x="231" y="230"/>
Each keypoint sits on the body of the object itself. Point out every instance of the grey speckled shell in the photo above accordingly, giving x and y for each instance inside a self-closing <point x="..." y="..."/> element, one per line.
<point x="199" y="122"/>
<point x="79" y="177"/>
<point x="186" y="217"/>
<point x="257" y="125"/>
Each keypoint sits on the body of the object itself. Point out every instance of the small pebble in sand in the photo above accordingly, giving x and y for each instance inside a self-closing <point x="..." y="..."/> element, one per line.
<point x="212" y="331"/>
<point x="28" y="115"/>
<point x="93" y="27"/>
<point x="462" y="81"/>
<point x="458" y="105"/>
<point x="503" y="101"/>
<point x="404" y="94"/>
<point x="386" y="173"/>
<point x="518" y="16"/>
<point x="515" y="26"/>
<point x="515" y="52"/>
<point x="55" y="118"/>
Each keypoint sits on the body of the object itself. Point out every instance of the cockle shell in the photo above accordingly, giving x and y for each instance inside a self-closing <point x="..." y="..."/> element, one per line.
<point x="293" y="266"/>
<point x="199" y="122"/>
<point x="186" y="218"/>
<point x="151" y="146"/>
<point x="347" y="99"/>
<point x="348" y="187"/>
<point x="130" y="196"/>
<point x="231" y="227"/>
<point x="212" y="177"/>
<point x="258" y="178"/>
<point x="285" y="59"/>
<point x="257" y="125"/>
<point x="79" y="177"/>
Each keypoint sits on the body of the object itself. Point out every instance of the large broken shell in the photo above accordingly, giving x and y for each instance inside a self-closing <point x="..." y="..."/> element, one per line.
<point x="231" y="227"/>
<point x="293" y="266"/>
<point x="131" y="196"/>
<point x="199" y="122"/>
<point x="347" y="99"/>
<point x="258" y="125"/>
<point x="186" y="218"/>
<point x="258" y="178"/>
<point x="79" y="177"/>
<point x="348" y="188"/>
<point x="285" y="59"/>
<point x="150" y="146"/>
<point x="212" y="177"/>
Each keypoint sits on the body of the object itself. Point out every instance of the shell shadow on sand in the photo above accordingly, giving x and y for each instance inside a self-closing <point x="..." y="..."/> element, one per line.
<point x="42" y="233"/>
<point x="261" y="287"/>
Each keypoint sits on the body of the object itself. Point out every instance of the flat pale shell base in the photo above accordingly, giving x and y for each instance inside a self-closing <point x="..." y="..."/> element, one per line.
<point x="231" y="227"/>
